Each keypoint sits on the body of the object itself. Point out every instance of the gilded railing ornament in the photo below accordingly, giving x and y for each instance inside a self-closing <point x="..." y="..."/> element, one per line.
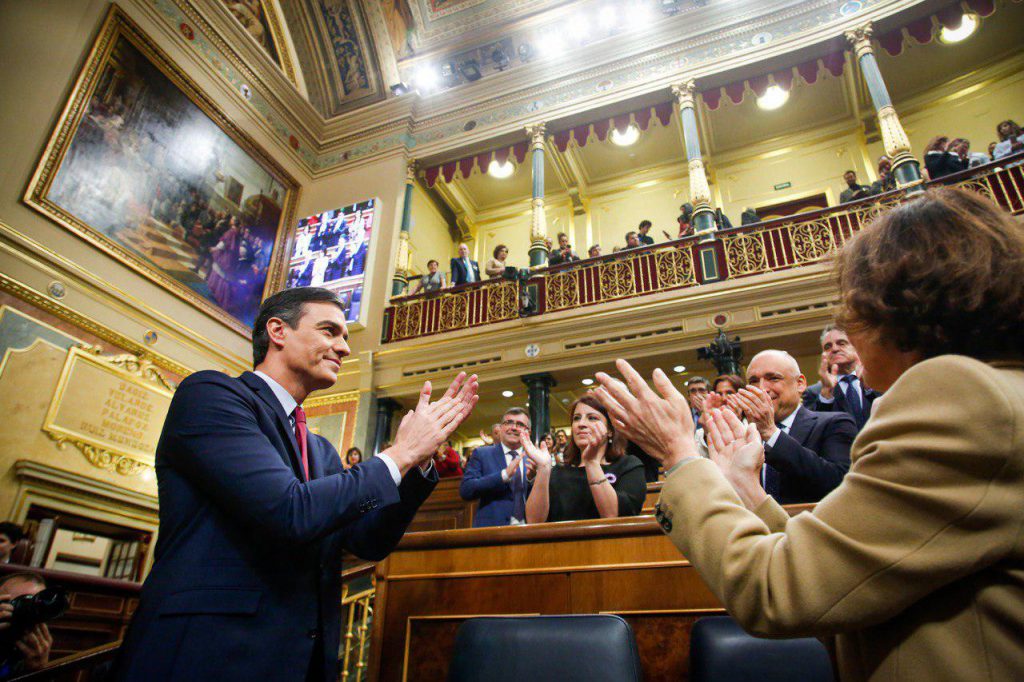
<point x="562" y="291"/>
<point x="981" y="187"/>
<point x="407" y="320"/>
<point x="617" y="279"/>
<point x="811" y="241"/>
<point x="454" y="311"/>
<point x="675" y="268"/>
<point x="503" y="302"/>
<point x="744" y="255"/>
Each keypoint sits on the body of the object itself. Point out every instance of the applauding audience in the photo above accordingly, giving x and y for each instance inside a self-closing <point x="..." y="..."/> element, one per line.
<point x="447" y="461"/>
<point x="496" y="475"/>
<point x="840" y="369"/>
<point x="599" y="479"/>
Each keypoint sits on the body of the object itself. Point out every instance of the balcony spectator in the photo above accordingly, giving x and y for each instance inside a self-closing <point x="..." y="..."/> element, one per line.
<point x="961" y="149"/>
<point x="632" y="240"/>
<point x="446" y="461"/>
<point x="840" y="388"/>
<point x="495" y="267"/>
<point x="353" y="457"/>
<point x="886" y="181"/>
<point x="853" y="191"/>
<point x="807" y="453"/>
<point x="599" y="479"/>
<point x="31" y="651"/>
<point x="594" y="251"/>
<point x="463" y="269"/>
<point x="722" y="221"/>
<point x="433" y="280"/>
<point x="685" y="220"/>
<point x="1011" y="140"/>
<point x="940" y="159"/>
<point x="10" y="535"/>
<point x="749" y="217"/>
<point x="564" y="252"/>
<point x="497" y="475"/>
<point x="642" y="230"/>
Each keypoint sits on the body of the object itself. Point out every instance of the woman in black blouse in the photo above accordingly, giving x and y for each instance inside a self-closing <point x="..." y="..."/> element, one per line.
<point x="598" y="479"/>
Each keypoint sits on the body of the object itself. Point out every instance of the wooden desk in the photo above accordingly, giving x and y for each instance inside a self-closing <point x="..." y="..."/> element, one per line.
<point x="435" y="580"/>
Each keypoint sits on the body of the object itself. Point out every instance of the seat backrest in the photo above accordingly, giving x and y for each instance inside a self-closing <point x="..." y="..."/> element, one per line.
<point x="565" y="648"/>
<point x="721" y="651"/>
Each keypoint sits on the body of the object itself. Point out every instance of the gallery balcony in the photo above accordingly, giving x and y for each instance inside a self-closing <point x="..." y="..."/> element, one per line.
<point x="683" y="265"/>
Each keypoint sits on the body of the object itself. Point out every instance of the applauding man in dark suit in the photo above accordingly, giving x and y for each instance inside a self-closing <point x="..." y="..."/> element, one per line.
<point x="255" y="510"/>
<point x="840" y="388"/>
<point x="497" y="474"/>
<point x="807" y="453"/>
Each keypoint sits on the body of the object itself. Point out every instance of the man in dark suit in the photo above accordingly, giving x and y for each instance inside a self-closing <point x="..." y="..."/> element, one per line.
<point x="255" y="510"/>
<point x="807" y="453"/>
<point x="358" y="263"/>
<point x="496" y="474"/>
<point x="840" y="388"/>
<point x="463" y="269"/>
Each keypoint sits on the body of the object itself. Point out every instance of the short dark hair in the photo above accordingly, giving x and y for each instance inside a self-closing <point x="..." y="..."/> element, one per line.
<point x="517" y="410"/>
<point x="849" y="172"/>
<point x="644" y="223"/>
<point x="696" y="380"/>
<point x="562" y="234"/>
<point x="498" y="248"/>
<point x="12" y="530"/>
<point x="733" y="380"/>
<point x="432" y="260"/>
<point x="287" y="306"/>
<point x="631" y="232"/>
<point x="941" y="274"/>
<point x="616" y="448"/>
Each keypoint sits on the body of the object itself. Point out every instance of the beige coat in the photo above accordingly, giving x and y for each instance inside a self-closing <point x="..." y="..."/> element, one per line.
<point x="915" y="562"/>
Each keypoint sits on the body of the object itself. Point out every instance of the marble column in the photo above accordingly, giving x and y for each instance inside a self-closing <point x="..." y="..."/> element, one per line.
<point x="538" y="223"/>
<point x="382" y="429"/>
<point x="905" y="168"/>
<point x="401" y="281"/>
<point x="538" y="387"/>
<point x="700" y="193"/>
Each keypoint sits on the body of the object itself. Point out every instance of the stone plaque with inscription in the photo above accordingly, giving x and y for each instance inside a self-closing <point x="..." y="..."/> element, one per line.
<point x="111" y="408"/>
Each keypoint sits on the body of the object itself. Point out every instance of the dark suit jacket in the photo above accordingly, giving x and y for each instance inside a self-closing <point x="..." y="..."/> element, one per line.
<point x="459" y="274"/>
<point x="814" y="456"/>
<point x="812" y="400"/>
<point x="248" y="561"/>
<point x="482" y="481"/>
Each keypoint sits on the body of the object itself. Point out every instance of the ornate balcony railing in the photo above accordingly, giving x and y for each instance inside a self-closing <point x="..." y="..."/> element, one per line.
<point x="357" y="593"/>
<point x="770" y="246"/>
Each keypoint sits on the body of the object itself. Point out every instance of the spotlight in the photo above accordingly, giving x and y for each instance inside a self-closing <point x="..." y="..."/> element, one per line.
<point x="773" y="98"/>
<point x="587" y="382"/>
<point x="470" y="70"/>
<point x="630" y="136"/>
<point x="499" y="58"/>
<point x="507" y="394"/>
<point x="426" y="78"/>
<point x="968" y="25"/>
<point x="525" y="52"/>
<point x="399" y="89"/>
<point x="606" y="17"/>
<point x="500" y="170"/>
<point x="678" y="369"/>
<point x="579" y="28"/>
<point x="550" y="45"/>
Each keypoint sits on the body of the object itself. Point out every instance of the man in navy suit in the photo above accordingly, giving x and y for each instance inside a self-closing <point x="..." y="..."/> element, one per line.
<point x="840" y="369"/>
<point x="255" y="510"/>
<point x="807" y="453"/>
<point x="463" y="269"/>
<point x="497" y="476"/>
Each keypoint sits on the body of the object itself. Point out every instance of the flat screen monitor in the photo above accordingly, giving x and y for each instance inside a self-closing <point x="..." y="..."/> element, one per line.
<point x="330" y="251"/>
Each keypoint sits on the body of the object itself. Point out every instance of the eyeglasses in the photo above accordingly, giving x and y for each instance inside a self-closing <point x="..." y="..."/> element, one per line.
<point x="512" y="422"/>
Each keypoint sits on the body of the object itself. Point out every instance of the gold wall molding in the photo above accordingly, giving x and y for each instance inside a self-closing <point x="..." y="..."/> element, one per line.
<point x="332" y="399"/>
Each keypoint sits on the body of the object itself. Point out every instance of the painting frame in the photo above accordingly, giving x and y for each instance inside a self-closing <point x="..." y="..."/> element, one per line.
<point x="117" y="25"/>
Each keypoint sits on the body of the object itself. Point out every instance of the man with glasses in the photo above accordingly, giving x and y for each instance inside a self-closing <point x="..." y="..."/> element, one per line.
<point x="696" y="391"/>
<point x="496" y="474"/>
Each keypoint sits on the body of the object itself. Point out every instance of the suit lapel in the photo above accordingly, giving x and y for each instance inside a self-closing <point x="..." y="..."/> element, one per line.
<point x="284" y="426"/>
<point x="802" y="425"/>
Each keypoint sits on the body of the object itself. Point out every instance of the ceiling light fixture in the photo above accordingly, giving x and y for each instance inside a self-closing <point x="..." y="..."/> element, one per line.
<point x="578" y="27"/>
<point x="626" y="138"/>
<point x="470" y="70"/>
<point x="606" y="17"/>
<point x="499" y="58"/>
<point x="968" y="25"/>
<point x="587" y="382"/>
<point x="638" y="15"/>
<point x="773" y="98"/>
<point x="500" y="170"/>
<point x="426" y="78"/>
<point x="679" y="369"/>
<point x="507" y="394"/>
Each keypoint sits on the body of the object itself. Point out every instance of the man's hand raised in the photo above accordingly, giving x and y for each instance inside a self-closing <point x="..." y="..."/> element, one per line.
<point x="423" y="429"/>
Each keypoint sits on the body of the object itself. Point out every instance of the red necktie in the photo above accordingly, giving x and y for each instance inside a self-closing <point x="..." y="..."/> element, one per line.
<point x="300" y="435"/>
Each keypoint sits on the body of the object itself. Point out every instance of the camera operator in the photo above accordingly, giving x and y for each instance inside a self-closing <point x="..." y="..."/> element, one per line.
<point x="31" y="651"/>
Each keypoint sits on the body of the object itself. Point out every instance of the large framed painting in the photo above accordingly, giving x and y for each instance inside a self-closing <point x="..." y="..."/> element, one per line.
<point x="144" y="166"/>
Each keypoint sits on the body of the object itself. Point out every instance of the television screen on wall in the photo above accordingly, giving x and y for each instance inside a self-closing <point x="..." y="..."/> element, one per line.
<point x="330" y="250"/>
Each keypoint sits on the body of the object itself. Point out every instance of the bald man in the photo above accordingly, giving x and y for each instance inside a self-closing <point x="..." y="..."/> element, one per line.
<point x="807" y="453"/>
<point x="463" y="269"/>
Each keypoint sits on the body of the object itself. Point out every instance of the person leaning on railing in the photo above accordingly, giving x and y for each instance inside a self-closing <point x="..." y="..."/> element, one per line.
<point x="598" y="480"/>
<point x="915" y="563"/>
<point x="433" y="280"/>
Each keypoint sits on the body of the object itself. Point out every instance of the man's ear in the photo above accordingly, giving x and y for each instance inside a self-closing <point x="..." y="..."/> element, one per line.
<point x="276" y="330"/>
<point x="801" y="382"/>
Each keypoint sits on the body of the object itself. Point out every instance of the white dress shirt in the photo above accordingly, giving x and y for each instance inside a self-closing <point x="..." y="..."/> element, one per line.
<point x="289" y="405"/>
<point x="845" y="388"/>
<point x="508" y="460"/>
<point x="784" y="427"/>
<point x="470" y="276"/>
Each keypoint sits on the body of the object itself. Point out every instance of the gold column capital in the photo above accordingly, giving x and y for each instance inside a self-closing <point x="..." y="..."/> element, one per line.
<point x="860" y="39"/>
<point x="684" y="93"/>
<point x="536" y="134"/>
<point x="410" y="172"/>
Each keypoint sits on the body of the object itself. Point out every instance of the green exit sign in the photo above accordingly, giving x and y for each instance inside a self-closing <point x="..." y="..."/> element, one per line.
<point x="783" y="185"/>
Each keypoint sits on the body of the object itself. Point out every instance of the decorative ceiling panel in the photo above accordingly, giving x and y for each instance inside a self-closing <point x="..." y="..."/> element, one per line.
<point x="440" y="22"/>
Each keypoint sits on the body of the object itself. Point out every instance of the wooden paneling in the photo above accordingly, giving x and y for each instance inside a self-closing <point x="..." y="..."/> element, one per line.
<point x="444" y="509"/>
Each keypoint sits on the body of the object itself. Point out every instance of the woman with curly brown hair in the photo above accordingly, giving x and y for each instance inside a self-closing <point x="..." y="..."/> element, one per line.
<point x="598" y="480"/>
<point x="915" y="563"/>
